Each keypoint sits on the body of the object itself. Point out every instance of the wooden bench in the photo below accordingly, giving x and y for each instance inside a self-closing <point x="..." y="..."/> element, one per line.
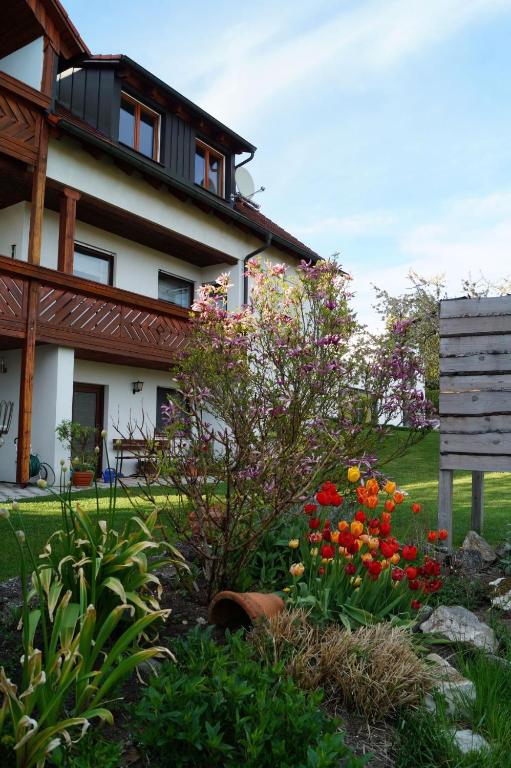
<point x="144" y="451"/>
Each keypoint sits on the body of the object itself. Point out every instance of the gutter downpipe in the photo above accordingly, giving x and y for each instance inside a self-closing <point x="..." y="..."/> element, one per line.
<point x="250" y="255"/>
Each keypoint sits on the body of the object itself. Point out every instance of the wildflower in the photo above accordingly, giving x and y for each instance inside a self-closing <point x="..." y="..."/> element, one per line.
<point x="297" y="570"/>
<point x="353" y="474"/>
<point x="356" y="528"/>
<point x="350" y="569"/>
<point x="293" y="543"/>
<point x="41" y="483"/>
<point x="310" y="508"/>
<point x="327" y="551"/>
<point x="20" y="535"/>
<point x="4" y="514"/>
<point x="415" y="605"/>
<point x="443" y="534"/>
<point x="409" y="552"/>
<point x="389" y="487"/>
<point x="416" y="508"/>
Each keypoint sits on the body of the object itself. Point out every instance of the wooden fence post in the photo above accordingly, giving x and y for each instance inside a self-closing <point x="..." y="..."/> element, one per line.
<point x="477" y="501"/>
<point x="445" y="502"/>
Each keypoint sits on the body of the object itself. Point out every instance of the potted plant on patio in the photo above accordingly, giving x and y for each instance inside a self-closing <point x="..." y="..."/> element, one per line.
<point x="78" y="438"/>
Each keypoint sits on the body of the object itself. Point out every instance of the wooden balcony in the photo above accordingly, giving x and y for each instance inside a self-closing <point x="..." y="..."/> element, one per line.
<point x="100" y="322"/>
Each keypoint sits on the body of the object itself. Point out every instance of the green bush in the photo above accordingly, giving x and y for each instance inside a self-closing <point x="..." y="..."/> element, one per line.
<point x="218" y="707"/>
<point x="90" y="752"/>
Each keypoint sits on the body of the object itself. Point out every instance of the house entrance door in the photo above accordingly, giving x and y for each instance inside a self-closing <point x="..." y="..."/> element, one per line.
<point x="88" y="410"/>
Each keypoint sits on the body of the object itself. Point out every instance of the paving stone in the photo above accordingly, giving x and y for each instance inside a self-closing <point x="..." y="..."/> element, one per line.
<point x="460" y="625"/>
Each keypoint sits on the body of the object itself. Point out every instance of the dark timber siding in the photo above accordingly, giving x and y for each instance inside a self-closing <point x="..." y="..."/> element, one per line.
<point x="93" y="94"/>
<point x="88" y="94"/>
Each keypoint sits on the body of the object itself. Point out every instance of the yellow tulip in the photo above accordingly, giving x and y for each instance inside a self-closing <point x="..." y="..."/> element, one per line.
<point x="353" y="474"/>
<point x="297" y="570"/>
<point x="390" y="487"/>
<point x="357" y="528"/>
<point x="293" y="544"/>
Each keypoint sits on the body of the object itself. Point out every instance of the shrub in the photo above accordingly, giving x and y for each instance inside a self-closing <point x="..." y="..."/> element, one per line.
<point x="219" y="707"/>
<point x="272" y="398"/>
<point x="373" y="670"/>
<point x="348" y="567"/>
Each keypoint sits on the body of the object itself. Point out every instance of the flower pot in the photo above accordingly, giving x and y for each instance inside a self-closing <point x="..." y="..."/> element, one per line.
<point x="82" y="478"/>
<point x="241" y="609"/>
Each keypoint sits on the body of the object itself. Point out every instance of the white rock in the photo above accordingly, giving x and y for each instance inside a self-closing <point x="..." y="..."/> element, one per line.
<point x="460" y="625"/>
<point x="468" y="741"/>
<point x="502" y="589"/>
<point x="454" y="688"/>
<point x="473" y="541"/>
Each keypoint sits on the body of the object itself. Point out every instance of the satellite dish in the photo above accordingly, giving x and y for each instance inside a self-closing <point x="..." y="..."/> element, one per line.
<point x="244" y="182"/>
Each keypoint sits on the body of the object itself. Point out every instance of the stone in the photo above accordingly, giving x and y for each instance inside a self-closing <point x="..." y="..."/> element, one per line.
<point x="454" y="688"/>
<point x="468" y="741"/>
<point x="474" y="541"/>
<point x="460" y="625"/>
<point x="469" y="561"/>
<point x="503" y="550"/>
<point x="502" y="593"/>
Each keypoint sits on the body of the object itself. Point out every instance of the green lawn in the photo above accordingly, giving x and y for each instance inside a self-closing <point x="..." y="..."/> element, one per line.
<point x="416" y="472"/>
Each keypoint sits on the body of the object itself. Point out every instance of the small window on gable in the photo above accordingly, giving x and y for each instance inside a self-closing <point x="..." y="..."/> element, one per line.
<point x="139" y="127"/>
<point x="209" y="168"/>
<point x="175" y="290"/>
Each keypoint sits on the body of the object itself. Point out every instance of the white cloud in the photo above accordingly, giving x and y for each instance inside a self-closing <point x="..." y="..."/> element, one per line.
<point x="470" y="236"/>
<point x="370" y="223"/>
<point x="370" y="39"/>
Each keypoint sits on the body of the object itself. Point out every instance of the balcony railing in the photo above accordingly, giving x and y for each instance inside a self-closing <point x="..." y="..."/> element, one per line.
<point x="99" y="321"/>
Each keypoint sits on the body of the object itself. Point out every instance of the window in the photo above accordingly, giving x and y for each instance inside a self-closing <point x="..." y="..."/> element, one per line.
<point x="209" y="168"/>
<point x="93" y="264"/>
<point x="139" y="127"/>
<point x="175" y="290"/>
<point x="164" y="396"/>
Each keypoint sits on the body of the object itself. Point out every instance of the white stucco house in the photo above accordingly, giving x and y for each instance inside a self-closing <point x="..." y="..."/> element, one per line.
<point x="117" y="201"/>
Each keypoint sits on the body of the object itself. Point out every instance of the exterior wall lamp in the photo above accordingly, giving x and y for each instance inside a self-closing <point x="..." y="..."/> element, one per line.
<point x="3" y="367"/>
<point x="137" y="386"/>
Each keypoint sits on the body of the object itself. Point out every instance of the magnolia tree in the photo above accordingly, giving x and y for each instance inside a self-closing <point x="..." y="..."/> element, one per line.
<point x="274" y="397"/>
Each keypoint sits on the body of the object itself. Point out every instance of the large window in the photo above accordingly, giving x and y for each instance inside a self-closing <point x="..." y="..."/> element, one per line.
<point x="175" y="290"/>
<point x="209" y="168"/>
<point x="93" y="264"/>
<point x="139" y="127"/>
<point x="165" y="396"/>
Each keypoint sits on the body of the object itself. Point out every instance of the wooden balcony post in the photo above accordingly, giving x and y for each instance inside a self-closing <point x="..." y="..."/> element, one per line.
<point x="26" y="386"/>
<point x="67" y="225"/>
<point x="38" y="188"/>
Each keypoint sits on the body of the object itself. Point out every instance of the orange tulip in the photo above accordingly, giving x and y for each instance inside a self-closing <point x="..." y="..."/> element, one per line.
<point x="343" y="525"/>
<point x="372" y="502"/>
<point x="390" y="505"/>
<point x="399" y="497"/>
<point x="356" y="528"/>
<point x="372" y="486"/>
<point x="389" y="487"/>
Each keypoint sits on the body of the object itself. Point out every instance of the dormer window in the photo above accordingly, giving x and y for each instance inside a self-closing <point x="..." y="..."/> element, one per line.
<point x="139" y="127"/>
<point x="209" y="168"/>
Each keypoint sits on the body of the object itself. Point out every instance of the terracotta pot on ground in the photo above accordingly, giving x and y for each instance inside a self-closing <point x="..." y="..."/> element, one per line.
<point x="241" y="609"/>
<point x="82" y="479"/>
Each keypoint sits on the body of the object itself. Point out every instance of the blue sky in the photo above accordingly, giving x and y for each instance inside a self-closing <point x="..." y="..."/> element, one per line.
<point x="383" y="127"/>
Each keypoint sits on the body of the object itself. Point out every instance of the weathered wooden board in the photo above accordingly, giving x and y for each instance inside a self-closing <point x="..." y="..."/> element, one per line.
<point x="489" y="443"/>
<point x="495" y="305"/>
<point x="480" y="463"/>
<point x="473" y="425"/>
<point x="475" y="403"/>
<point x="466" y="326"/>
<point x="476" y="362"/>
<point x="475" y="345"/>
<point x="497" y="382"/>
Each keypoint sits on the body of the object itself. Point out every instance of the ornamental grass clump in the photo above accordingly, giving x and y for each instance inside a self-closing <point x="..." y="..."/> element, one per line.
<point x="347" y="566"/>
<point x="373" y="671"/>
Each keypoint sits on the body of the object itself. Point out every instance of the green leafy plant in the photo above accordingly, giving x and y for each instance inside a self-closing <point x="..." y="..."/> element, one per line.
<point x="90" y="752"/>
<point x="220" y="707"/>
<point x="78" y="439"/>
